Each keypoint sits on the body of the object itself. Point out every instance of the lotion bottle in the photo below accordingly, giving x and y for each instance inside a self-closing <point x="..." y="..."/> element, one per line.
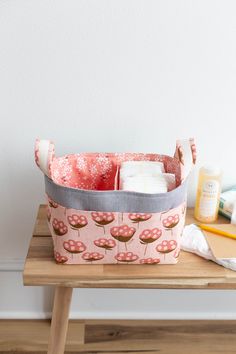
<point x="208" y="194"/>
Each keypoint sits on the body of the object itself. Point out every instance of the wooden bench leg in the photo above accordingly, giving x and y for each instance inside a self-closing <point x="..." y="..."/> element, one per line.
<point x="60" y="317"/>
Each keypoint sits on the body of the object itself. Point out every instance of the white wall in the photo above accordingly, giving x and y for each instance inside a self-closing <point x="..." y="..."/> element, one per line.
<point x="107" y="75"/>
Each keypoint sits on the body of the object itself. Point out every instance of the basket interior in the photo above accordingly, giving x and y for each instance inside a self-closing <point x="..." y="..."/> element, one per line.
<point x="99" y="171"/>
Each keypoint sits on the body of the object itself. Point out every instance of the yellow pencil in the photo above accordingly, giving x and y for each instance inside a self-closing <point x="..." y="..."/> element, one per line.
<point x="216" y="231"/>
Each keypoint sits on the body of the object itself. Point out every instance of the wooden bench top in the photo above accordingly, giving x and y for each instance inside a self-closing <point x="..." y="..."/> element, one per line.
<point x="189" y="273"/>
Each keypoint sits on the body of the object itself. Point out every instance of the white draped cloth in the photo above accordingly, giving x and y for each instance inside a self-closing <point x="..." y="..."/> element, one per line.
<point x="193" y="240"/>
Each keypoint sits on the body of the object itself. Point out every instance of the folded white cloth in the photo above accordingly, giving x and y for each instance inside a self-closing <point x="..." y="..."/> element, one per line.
<point x="193" y="240"/>
<point x="144" y="184"/>
<point x="134" y="168"/>
<point x="145" y="177"/>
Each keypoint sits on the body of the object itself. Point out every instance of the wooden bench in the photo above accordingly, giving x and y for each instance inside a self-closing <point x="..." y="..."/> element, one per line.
<point x="192" y="272"/>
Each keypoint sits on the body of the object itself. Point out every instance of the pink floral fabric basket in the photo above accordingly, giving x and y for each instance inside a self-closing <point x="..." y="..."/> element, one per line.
<point x="91" y="222"/>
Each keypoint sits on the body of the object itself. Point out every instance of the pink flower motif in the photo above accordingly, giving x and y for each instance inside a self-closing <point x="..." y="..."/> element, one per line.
<point x="73" y="246"/>
<point x="166" y="246"/>
<point x="150" y="235"/>
<point x="107" y="244"/>
<point x="59" y="258"/>
<point x="51" y="203"/>
<point x="77" y="222"/>
<point x="122" y="233"/>
<point x="102" y="218"/>
<point x="149" y="261"/>
<point x="92" y="256"/>
<point x="126" y="257"/>
<point x="139" y="217"/>
<point x="59" y="227"/>
<point x="171" y="221"/>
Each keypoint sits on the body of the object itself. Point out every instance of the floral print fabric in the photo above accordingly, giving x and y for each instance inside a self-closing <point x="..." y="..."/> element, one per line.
<point x="91" y="237"/>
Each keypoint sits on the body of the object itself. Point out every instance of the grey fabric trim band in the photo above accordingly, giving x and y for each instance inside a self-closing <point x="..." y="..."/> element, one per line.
<point x="115" y="201"/>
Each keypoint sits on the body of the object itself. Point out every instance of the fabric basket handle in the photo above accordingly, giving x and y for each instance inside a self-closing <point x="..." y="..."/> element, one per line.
<point x="186" y="154"/>
<point x="44" y="153"/>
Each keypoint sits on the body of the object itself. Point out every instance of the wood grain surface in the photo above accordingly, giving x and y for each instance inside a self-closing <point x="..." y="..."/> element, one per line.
<point x="120" y="337"/>
<point x="59" y="322"/>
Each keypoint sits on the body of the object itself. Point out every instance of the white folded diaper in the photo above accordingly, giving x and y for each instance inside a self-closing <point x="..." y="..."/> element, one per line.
<point x="144" y="184"/>
<point x="134" y="168"/>
<point x="145" y="177"/>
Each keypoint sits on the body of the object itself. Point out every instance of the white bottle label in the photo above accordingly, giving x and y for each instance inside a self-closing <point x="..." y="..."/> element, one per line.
<point x="208" y="201"/>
